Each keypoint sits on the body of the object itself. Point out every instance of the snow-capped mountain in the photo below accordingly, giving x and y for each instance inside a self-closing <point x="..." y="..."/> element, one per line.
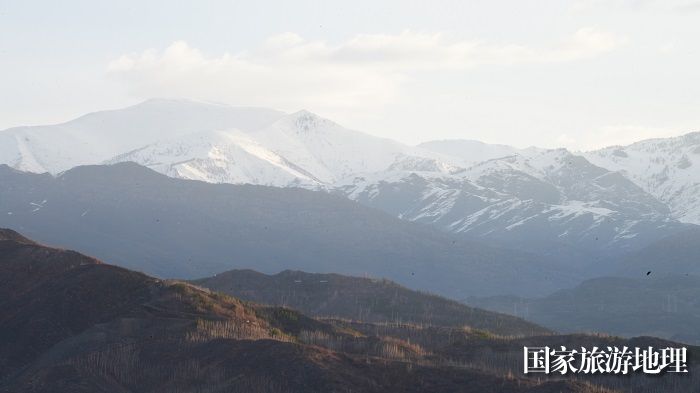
<point x="550" y="198"/>
<point x="606" y="201"/>
<point x="300" y="149"/>
<point x="100" y="136"/>
<point x="328" y="150"/>
<point x="219" y="157"/>
<point x="667" y="168"/>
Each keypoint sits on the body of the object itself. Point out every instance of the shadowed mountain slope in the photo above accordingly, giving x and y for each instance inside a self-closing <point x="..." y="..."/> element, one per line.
<point x="656" y="305"/>
<point x="677" y="254"/>
<point x="139" y="219"/>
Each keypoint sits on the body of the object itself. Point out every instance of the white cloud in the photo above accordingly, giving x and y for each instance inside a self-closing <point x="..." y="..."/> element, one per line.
<point x="289" y="72"/>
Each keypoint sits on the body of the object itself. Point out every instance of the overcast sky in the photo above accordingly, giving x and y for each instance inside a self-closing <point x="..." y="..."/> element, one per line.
<point x="579" y="74"/>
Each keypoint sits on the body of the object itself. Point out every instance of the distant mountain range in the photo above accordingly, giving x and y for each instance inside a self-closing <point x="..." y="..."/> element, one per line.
<point x="589" y="207"/>
<point x="653" y="291"/>
<point x="665" y="306"/>
<point x="549" y="201"/>
<point x="71" y="323"/>
<point x="140" y="219"/>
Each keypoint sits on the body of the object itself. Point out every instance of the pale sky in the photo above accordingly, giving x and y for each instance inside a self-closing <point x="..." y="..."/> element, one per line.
<point x="579" y="74"/>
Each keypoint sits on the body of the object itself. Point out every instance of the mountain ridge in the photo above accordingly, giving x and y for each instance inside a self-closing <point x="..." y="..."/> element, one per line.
<point x="355" y="298"/>
<point x="664" y="167"/>
<point x="168" y="227"/>
<point x="524" y="199"/>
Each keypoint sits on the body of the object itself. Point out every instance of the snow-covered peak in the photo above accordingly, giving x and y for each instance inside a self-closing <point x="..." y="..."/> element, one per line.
<point x="660" y="144"/>
<point x="99" y="136"/>
<point x="301" y="149"/>
<point x="538" y="164"/>
<point x="668" y="168"/>
<point x="302" y="122"/>
<point x="305" y="121"/>
<point x="220" y="157"/>
<point x="406" y="163"/>
<point x="329" y="150"/>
